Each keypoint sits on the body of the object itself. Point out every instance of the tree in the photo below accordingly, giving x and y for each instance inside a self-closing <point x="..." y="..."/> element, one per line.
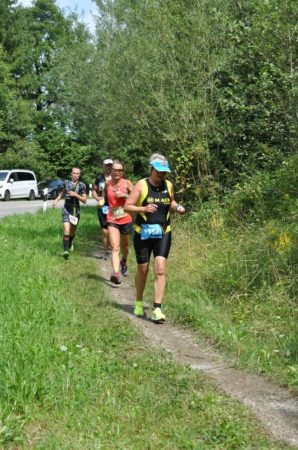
<point x="257" y="122"/>
<point x="39" y="126"/>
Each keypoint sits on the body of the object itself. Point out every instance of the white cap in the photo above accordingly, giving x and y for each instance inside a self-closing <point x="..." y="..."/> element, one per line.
<point x="108" y="161"/>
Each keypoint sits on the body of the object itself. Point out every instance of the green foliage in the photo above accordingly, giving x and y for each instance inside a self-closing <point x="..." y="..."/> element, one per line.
<point x="35" y="131"/>
<point x="241" y="290"/>
<point x="208" y="84"/>
<point x="256" y="95"/>
<point x="138" y="93"/>
<point x="5" y="93"/>
<point x="267" y="195"/>
<point x="211" y="84"/>
<point x="26" y="155"/>
<point x="243" y="271"/>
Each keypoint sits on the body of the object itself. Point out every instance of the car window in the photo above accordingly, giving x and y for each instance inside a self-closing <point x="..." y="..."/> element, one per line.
<point x="14" y="176"/>
<point x="3" y="175"/>
<point x="25" y="176"/>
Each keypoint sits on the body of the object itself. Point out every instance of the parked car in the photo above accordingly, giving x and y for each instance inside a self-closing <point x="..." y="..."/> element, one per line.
<point x="17" y="183"/>
<point x="54" y="187"/>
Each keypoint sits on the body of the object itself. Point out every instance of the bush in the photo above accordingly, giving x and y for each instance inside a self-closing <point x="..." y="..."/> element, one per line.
<point x="267" y="195"/>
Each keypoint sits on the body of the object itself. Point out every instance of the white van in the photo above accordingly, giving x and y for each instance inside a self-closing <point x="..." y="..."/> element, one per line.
<point x="17" y="183"/>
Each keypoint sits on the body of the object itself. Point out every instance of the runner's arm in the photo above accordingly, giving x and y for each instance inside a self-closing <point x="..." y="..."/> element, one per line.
<point x="81" y="197"/>
<point x="129" y="188"/>
<point x="57" y="199"/>
<point x="95" y="192"/>
<point x="174" y="205"/>
<point x="130" y="204"/>
<point x="104" y="194"/>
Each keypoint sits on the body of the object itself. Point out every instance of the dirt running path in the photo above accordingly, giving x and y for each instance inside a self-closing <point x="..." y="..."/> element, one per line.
<point x="274" y="406"/>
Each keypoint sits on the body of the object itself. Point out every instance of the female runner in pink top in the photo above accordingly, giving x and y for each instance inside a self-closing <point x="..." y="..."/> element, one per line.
<point x="119" y="222"/>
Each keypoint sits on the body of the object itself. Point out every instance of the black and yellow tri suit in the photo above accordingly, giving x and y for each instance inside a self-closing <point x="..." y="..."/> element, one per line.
<point x="160" y="196"/>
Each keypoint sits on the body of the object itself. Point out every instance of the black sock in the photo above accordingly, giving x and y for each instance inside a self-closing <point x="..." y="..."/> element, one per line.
<point x="71" y="238"/>
<point x="157" y="305"/>
<point x="66" y="242"/>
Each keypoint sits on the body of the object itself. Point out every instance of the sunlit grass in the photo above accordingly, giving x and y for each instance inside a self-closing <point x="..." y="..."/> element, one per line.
<point x="75" y="374"/>
<point x="238" y="292"/>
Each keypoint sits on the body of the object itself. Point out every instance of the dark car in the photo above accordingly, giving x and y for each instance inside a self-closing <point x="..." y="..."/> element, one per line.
<point x="54" y="187"/>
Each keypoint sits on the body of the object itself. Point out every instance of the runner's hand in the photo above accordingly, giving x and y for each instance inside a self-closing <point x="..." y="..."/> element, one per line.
<point x="180" y="210"/>
<point x="119" y="194"/>
<point x="150" y="208"/>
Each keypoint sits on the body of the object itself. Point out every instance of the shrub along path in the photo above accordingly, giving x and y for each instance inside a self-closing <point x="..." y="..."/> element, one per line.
<point x="275" y="407"/>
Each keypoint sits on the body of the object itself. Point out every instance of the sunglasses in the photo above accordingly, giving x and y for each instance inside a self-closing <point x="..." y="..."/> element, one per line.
<point x="117" y="170"/>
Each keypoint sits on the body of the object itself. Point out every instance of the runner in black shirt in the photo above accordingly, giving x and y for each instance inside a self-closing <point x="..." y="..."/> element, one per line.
<point x="73" y="192"/>
<point x="97" y="192"/>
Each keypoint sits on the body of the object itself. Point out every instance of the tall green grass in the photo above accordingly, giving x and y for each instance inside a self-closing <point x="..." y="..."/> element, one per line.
<point x="237" y="286"/>
<point x="75" y="374"/>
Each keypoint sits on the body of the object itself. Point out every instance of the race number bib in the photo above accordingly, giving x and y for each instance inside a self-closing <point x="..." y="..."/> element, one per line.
<point x="118" y="213"/>
<point x="73" y="219"/>
<point x="151" y="231"/>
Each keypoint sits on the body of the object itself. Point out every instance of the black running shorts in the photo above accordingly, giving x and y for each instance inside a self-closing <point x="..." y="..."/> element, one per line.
<point x="144" y="248"/>
<point x="65" y="215"/>
<point x="124" y="228"/>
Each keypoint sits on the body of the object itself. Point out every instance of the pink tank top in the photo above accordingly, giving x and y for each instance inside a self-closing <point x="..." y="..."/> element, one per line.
<point x="116" y="213"/>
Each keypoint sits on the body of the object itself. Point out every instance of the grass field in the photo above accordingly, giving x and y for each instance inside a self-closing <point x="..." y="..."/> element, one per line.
<point x="75" y="374"/>
<point x="237" y="289"/>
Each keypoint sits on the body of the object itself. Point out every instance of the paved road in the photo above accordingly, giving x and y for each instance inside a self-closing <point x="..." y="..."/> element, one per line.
<point x="25" y="206"/>
<point x="19" y="207"/>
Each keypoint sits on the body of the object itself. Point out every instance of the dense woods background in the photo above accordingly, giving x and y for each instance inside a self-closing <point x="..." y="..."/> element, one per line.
<point x="210" y="83"/>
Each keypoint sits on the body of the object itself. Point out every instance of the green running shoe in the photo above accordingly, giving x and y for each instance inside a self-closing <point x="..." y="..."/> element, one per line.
<point x="66" y="255"/>
<point x="139" y="309"/>
<point x="158" y="316"/>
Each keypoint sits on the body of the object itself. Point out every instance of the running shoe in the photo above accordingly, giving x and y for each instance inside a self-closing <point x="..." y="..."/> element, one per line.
<point x="158" y="316"/>
<point x="124" y="268"/>
<point x="139" y="309"/>
<point x="115" y="278"/>
<point x="66" y="254"/>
